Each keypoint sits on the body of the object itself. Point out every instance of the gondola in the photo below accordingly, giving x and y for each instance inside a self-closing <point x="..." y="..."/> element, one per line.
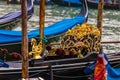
<point x="108" y="4"/>
<point x="68" y="68"/>
<point x="10" y="20"/>
<point x="36" y="2"/>
<point x="47" y="2"/>
<point x="14" y="37"/>
<point x="13" y="1"/>
<point x="41" y="67"/>
<point x="55" y="67"/>
<point x="67" y="2"/>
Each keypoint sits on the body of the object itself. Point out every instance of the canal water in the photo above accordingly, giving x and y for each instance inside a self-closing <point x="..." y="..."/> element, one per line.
<point x="54" y="13"/>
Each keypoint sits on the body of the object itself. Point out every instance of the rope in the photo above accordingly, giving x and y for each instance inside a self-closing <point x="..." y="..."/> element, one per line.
<point x="44" y="39"/>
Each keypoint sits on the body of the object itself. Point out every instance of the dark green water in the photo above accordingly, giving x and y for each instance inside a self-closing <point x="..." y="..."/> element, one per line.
<point x="54" y="13"/>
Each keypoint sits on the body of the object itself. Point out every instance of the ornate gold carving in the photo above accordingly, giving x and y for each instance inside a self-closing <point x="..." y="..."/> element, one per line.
<point x="36" y="49"/>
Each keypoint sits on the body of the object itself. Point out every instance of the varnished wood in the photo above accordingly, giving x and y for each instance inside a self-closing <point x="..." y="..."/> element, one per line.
<point x="41" y="22"/>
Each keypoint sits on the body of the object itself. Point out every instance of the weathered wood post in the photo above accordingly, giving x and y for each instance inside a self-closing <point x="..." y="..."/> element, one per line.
<point x="100" y="15"/>
<point x="100" y="19"/>
<point x="24" y="49"/>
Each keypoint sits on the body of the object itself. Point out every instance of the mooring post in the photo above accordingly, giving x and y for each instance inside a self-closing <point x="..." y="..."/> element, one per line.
<point x="41" y="21"/>
<point x="100" y="15"/>
<point x="24" y="49"/>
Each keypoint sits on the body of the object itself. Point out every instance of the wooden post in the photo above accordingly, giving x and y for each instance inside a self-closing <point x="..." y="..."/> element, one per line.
<point x="41" y="22"/>
<point x="24" y="40"/>
<point x="100" y="19"/>
<point x="100" y="15"/>
<point x="115" y="2"/>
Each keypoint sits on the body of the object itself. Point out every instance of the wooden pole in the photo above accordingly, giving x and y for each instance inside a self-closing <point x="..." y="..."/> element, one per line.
<point x="100" y="15"/>
<point x="42" y="18"/>
<point x="24" y="40"/>
<point x="99" y="20"/>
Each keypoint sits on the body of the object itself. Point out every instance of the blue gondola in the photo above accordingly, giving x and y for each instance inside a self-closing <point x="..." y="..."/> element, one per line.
<point x="108" y="4"/>
<point x="67" y="2"/>
<point x="8" y="36"/>
<point x="37" y="2"/>
<point x="10" y="20"/>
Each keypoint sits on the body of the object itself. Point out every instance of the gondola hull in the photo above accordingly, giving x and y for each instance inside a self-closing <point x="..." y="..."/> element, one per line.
<point x="11" y="19"/>
<point x="44" y="68"/>
<point x="44" y="73"/>
<point x="74" y="3"/>
<point x="36" y="2"/>
<point x="68" y="68"/>
<point x="94" y="4"/>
